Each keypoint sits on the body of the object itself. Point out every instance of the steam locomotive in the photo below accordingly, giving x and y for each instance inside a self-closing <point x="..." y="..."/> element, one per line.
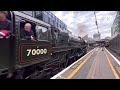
<point x="52" y="51"/>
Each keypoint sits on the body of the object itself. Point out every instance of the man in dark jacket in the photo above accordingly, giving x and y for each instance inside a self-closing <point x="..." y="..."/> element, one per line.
<point x="27" y="33"/>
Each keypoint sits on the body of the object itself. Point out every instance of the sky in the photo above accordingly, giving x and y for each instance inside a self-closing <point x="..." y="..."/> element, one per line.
<point x="81" y="23"/>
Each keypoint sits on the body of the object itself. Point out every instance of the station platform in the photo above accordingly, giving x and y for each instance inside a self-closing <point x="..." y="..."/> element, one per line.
<point x="98" y="63"/>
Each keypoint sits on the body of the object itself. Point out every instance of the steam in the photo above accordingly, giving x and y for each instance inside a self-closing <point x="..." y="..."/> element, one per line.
<point x="81" y="30"/>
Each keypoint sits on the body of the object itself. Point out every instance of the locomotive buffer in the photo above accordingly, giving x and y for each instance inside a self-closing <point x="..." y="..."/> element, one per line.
<point x="99" y="63"/>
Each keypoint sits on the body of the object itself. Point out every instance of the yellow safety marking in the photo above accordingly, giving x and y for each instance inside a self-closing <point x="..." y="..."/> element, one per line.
<point x="75" y="71"/>
<point x="112" y="68"/>
<point x="76" y="65"/>
<point x="118" y="69"/>
<point x="97" y="49"/>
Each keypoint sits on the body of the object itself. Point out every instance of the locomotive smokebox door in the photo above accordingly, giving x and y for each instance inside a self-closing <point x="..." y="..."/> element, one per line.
<point x="34" y="52"/>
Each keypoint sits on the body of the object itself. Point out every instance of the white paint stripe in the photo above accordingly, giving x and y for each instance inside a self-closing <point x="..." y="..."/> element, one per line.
<point x="62" y="77"/>
<point x="113" y="57"/>
<point x="70" y="66"/>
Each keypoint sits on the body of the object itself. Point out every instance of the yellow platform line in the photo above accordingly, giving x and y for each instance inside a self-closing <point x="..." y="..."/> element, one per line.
<point x="97" y="49"/>
<point x="112" y="68"/>
<point x="76" y="70"/>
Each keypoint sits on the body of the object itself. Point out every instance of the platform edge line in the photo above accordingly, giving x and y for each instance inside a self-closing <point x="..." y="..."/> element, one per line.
<point x="113" y="57"/>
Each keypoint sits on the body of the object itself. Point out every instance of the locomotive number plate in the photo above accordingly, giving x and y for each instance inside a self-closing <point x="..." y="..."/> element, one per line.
<point x="33" y="52"/>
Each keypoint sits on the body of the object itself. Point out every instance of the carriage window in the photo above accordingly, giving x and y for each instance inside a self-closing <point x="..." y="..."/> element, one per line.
<point x="22" y="29"/>
<point x="42" y="33"/>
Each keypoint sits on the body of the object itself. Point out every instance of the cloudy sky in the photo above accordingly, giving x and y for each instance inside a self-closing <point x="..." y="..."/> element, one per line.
<point x="83" y="22"/>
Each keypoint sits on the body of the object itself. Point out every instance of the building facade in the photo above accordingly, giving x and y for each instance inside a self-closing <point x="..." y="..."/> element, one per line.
<point x="47" y="17"/>
<point x="115" y="29"/>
